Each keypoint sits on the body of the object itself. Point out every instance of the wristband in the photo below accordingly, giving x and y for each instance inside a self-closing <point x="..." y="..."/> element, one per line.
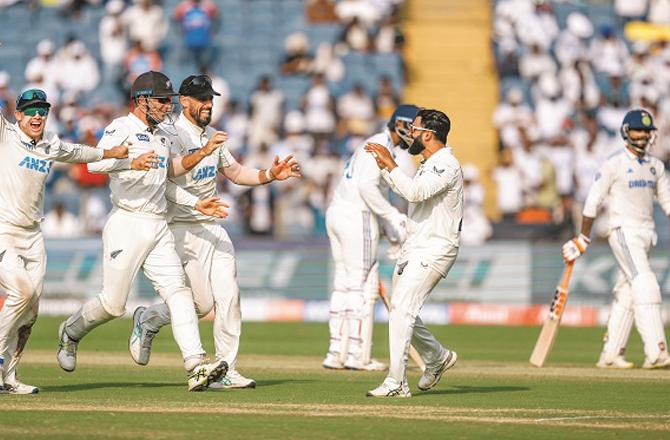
<point x="268" y="175"/>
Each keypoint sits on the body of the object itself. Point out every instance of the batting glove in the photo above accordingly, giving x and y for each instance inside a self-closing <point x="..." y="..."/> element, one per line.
<point x="574" y="248"/>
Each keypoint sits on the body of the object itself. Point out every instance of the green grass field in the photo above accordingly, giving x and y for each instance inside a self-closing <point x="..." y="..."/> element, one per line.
<point x="492" y="391"/>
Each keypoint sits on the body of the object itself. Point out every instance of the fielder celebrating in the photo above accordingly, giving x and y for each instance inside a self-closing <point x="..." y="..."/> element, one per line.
<point x="204" y="247"/>
<point x="137" y="234"/>
<point x="631" y="178"/>
<point x="28" y="154"/>
<point x="352" y="222"/>
<point x="435" y="197"/>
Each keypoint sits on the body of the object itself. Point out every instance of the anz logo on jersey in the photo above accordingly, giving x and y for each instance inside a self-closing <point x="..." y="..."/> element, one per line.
<point x="204" y="172"/>
<point x="641" y="183"/>
<point x="35" y="164"/>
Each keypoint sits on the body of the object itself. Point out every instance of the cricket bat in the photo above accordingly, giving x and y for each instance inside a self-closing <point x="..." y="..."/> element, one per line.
<point x="413" y="354"/>
<point x="545" y="341"/>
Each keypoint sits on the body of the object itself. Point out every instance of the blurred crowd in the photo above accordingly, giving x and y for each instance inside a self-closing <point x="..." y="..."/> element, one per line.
<point x="321" y="132"/>
<point x="568" y="75"/>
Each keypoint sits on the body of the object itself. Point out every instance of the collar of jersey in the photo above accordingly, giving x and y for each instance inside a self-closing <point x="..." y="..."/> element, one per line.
<point x="46" y="137"/>
<point x="138" y="123"/>
<point x="635" y="157"/>
<point x="440" y="151"/>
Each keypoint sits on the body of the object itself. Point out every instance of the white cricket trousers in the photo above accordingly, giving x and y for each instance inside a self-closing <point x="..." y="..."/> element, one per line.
<point x="414" y="279"/>
<point x="22" y="268"/>
<point x="354" y="237"/>
<point x="132" y="241"/>
<point x="208" y="257"/>
<point x="637" y="295"/>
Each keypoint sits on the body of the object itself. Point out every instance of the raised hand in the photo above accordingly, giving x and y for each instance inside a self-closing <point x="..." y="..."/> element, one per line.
<point x="382" y="155"/>
<point x="145" y="162"/>
<point x="216" y="141"/>
<point x="213" y="207"/>
<point x="285" y="168"/>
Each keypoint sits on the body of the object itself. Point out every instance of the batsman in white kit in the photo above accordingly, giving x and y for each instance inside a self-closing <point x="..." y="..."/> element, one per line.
<point x="631" y="178"/>
<point x="27" y="156"/>
<point x="204" y="247"/>
<point x="353" y="223"/>
<point x="435" y="217"/>
<point x="136" y="234"/>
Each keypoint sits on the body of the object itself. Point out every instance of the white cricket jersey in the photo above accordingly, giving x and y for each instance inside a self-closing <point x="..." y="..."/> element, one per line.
<point x="361" y="185"/>
<point x="141" y="192"/>
<point x="435" y="214"/>
<point x="201" y="180"/>
<point x="631" y="184"/>
<point x="24" y="168"/>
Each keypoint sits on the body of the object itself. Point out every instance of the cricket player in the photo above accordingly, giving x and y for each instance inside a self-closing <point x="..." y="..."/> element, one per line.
<point x="204" y="247"/>
<point x="27" y="156"/>
<point x="353" y="222"/>
<point x="631" y="178"/>
<point x="136" y="234"/>
<point x="435" y="197"/>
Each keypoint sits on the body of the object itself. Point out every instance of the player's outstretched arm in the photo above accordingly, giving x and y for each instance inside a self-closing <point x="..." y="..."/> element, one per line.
<point x="285" y="168"/>
<point x="179" y="165"/>
<point x="280" y="170"/>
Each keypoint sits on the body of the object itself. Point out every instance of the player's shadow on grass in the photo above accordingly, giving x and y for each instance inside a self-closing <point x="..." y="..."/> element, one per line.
<point x="99" y="385"/>
<point x="469" y="390"/>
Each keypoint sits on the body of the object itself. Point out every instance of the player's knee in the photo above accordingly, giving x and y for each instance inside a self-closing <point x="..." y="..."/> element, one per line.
<point x="203" y="306"/>
<point x="646" y="289"/>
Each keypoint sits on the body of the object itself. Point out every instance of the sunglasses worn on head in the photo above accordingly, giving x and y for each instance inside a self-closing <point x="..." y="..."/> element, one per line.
<point x="32" y="111"/>
<point x="415" y="128"/>
<point x="31" y="94"/>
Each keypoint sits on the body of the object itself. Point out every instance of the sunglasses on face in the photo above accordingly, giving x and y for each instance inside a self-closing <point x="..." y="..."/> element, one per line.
<point x="32" y="111"/>
<point x="415" y="128"/>
<point x="164" y="100"/>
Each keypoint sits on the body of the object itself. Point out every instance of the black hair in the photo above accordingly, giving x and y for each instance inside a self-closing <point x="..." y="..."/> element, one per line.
<point x="437" y="121"/>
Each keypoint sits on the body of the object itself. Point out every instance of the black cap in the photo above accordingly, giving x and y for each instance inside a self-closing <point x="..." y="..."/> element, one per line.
<point x="197" y="85"/>
<point x="32" y="98"/>
<point x="152" y="84"/>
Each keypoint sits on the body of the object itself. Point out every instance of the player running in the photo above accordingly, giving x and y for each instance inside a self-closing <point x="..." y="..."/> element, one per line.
<point x="631" y="178"/>
<point x="204" y="247"/>
<point x="27" y="156"/>
<point x="435" y="197"/>
<point x="136" y="234"/>
<point x="352" y="222"/>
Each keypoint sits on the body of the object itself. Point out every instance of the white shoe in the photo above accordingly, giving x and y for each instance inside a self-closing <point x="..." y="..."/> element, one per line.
<point x="19" y="388"/>
<point x="67" y="350"/>
<point x="332" y="362"/>
<point x="232" y="379"/>
<point x="140" y="340"/>
<point x="390" y="388"/>
<point x="204" y="374"/>
<point x="662" y="362"/>
<point x="373" y="365"/>
<point x="617" y="363"/>
<point x="432" y="375"/>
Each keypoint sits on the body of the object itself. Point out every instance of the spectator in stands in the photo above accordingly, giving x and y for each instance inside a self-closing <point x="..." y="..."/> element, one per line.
<point x="389" y="37"/>
<point x="509" y="183"/>
<point x="258" y="201"/>
<point x="7" y="97"/>
<point x="386" y="99"/>
<point x="320" y="11"/>
<point x="659" y="12"/>
<point x="476" y="227"/>
<point x="295" y="141"/>
<point x="145" y="22"/>
<point x="365" y="11"/>
<point x="113" y="41"/>
<point x="60" y="223"/>
<point x="319" y="108"/>
<point x="77" y="69"/>
<point x="297" y="60"/>
<point x="328" y="63"/>
<point x="198" y="20"/>
<point x="608" y="53"/>
<point x="579" y="85"/>
<point x="509" y="116"/>
<point x="536" y="62"/>
<point x="630" y="10"/>
<point x="355" y="36"/>
<point x="357" y="111"/>
<point x="266" y="114"/>
<point x="45" y="63"/>
<point x="529" y="162"/>
<point x="572" y="42"/>
<point x="138" y="60"/>
<point x="236" y="124"/>
<point x="538" y="26"/>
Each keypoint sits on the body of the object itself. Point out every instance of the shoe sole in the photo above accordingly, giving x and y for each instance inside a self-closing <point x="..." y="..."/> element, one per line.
<point x="395" y="396"/>
<point x="213" y="376"/>
<point x="34" y="391"/>
<point x="61" y="330"/>
<point x="136" y="317"/>
<point x="448" y="363"/>
<point x="252" y="385"/>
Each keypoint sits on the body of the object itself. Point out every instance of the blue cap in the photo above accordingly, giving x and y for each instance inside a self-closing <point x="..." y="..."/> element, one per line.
<point x="404" y="112"/>
<point x="638" y="119"/>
